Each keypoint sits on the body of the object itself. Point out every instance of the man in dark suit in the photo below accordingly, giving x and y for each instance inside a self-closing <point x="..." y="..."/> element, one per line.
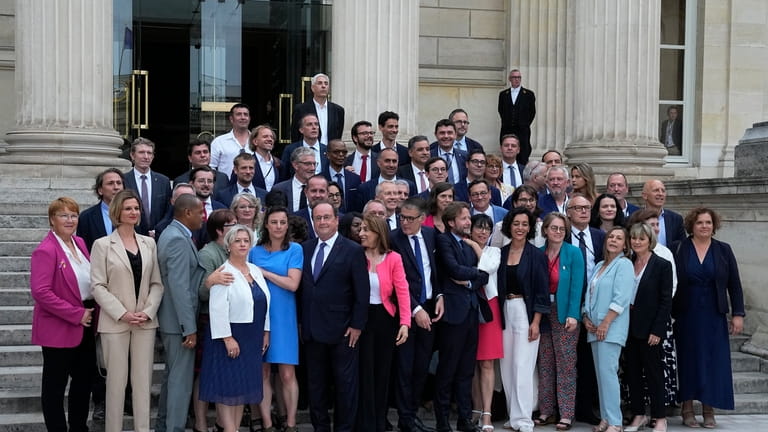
<point x="244" y="169"/>
<point x="445" y="132"/>
<point x="329" y="114"/>
<point x="94" y="221"/>
<point x="460" y="118"/>
<point x="363" y="159"/>
<point x="671" y="132"/>
<point x="181" y="274"/>
<point x="333" y="309"/>
<point x="590" y="241"/>
<point x="517" y="109"/>
<point x="511" y="167"/>
<point x="388" y="164"/>
<point x="416" y="246"/>
<point x="202" y="182"/>
<point x="618" y="186"/>
<point x="389" y="126"/>
<point x="557" y="198"/>
<point x="459" y="279"/>
<point x="418" y="150"/>
<point x="310" y="130"/>
<point x="347" y="180"/>
<point x="199" y="154"/>
<point x="670" y="223"/>
<point x="303" y="162"/>
<point x="475" y="165"/>
<point x="315" y="192"/>
<point x="153" y="188"/>
<point x="268" y="169"/>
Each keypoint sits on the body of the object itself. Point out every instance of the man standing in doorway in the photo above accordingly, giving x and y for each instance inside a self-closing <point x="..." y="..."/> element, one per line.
<point x="330" y="116"/>
<point x="517" y="109"/>
<point x="225" y="147"/>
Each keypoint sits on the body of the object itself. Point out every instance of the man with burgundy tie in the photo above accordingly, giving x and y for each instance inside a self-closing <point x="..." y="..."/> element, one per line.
<point x="333" y="308"/>
<point x="418" y="150"/>
<point x="153" y="188"/>
<point x="363" y="160"/>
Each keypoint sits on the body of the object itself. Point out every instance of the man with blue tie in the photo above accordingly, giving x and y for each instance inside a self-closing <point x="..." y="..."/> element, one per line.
<point x="445" y="132"/>
<point x="335" y="171"/>
<point x="459" y="280"/>
<point x="333" y="309"/>
<point x="512" y="170"/>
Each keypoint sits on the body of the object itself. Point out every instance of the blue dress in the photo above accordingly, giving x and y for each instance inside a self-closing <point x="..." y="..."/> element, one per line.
<point x="284" y="333"/>
<point x="235" y="381"/>
<point x="701" y="335"/>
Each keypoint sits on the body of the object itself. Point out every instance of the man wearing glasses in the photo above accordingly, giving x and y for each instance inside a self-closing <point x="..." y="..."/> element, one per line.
<point x="517" y="109"/>
<point x="476" y="163"/>
<point x="303" y="162"/>
<point x="480" y="198"/>
<point x="460" y="118"/>
<point x="335" y="171"/>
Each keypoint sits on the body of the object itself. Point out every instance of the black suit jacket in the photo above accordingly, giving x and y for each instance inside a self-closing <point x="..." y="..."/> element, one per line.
<point x="339" y="297"/>
<point x="258" y="175"/>
<point x="532" y="277"/>
<point x="677" y="132"/>
<point x="673" y="227"/>
<point x="304" y="214"/>
<point x="91" y="225"/>
<point x="653" y="302"/>
<point x="374" y="166"/>
<point x="351" y="185"/>
<point x="287" y="167"/>
<point x="471" y="145"/>
<point x="401" y="243"/>
<point x="461" y="193"/>
<point x="161" y="194"/>
<point x="403" y="158"/>
<point x="517" y="116"/>
<point x="459" y="157"/>
<point x="457" y="261"/>
<point x="226" y="195"/>
<point x="335" y="120"/>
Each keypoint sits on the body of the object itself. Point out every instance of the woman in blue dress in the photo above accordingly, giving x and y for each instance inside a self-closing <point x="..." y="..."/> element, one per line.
<point x="707" y="277"/>
<point x="281" y="262"/>
<point x="238" y="334"/>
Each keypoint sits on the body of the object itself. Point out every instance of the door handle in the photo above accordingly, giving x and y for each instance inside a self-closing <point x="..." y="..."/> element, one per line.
<point x="282" y="126"/>
<point x="140" y="100"/>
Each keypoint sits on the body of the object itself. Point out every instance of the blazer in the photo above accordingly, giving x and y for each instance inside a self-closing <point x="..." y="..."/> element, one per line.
<point x="403" y="158"/>
<point x="517" y="116"/>
<point x="339" y="298"/>
<point x="458" y="261"/>
<point x="677" y="132"/>
<point x="569" y="285"/>
<point x="258" y="175"/>
<point x="394" y="287"/>
<point x="286" y="187"/>
<point x="374" y="166"/>
<point x="401" y="243"/>
<point x="226" y="195"/>
<point x="287" y="171"/>
<point x="112" y="282"/>
<point x="631" y="208"/>
<point x="233" y="303"/>
<point x="367" y="192"/>
<point x="533" y="279"/>
<point x="304" y="214"/>
<point x="58" y="305"/>
<point x="91" y="225"/>
<point x="459" y="157"/>
<point x="161" y="194"/>
<point x="653" y="300"/>
<point x="181" y="274"/>
<point x="461" y="193"/>
<point x="351" y="185"/>
<point x="673" y="227"/>
<point x="498" y="213"/>
<point x="546" y="203"/>
<point x="727" y="280"/>
<point x="471" y="145"/>
<point x="335" y="119"/>
<point x="612" y="291"/>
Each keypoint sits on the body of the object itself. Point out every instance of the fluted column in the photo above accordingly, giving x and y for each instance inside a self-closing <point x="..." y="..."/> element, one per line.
<point x="63" y="89"/>
<point x="375" y="65"/>
<point x="616" y="87"/>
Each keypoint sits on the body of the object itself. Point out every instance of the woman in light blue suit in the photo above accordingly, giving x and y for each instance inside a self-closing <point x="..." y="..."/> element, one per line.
<point x="607" y="297"/>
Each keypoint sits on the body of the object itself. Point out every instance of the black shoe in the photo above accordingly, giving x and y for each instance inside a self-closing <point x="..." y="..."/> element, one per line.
<point x="590" y="418"/>
<point x="467" y="425"/>
<point x="443" y="425"/>
<point x="98" y="412"/>
<point x="419" y="426"/>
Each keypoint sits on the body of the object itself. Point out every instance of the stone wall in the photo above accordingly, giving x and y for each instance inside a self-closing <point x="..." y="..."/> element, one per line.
<point x="7" y="61"/>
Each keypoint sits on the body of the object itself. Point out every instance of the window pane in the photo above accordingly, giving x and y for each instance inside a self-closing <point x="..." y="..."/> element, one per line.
<point x="671" y="74"/>
<point x="672" y="22"/>
<point x="671" y="128"/>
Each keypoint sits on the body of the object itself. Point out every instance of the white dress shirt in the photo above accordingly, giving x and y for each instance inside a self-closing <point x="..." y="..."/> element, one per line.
<point x="322" y="119"/>
<point x="224" y="148"/>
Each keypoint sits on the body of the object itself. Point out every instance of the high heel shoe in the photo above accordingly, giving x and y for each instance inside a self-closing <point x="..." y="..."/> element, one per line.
<point x="656" y="426"/>
<point x="708" y="412"/>
<point x="601" y="427"/>
<point x="689" y="418"/>
<point x="639" y="426"/>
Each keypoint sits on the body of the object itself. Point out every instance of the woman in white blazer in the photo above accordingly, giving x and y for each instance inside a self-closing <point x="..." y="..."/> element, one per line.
<point x="126" y="284"/>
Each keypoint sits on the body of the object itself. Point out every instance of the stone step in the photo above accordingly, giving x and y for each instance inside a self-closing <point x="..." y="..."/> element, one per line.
<point x="15" y="315"/>
<point x="24" y="208"/>
<point x="22" y="234"/>
<point x="14" y="264"/>
<point x="17" y="248"/>
<point x="742" y="362"/>
<point x="39" y="220"/>
<point x="737" y="341"/>
<point x="14" y="279"/>
<point x="15" y="334"/>
<point x="750" y="382"/>
<point x="15" y="296"/>
<point x="30" y="377"/>
<point x="59" y="183"/>
<point x="21" y="355"/>
<point x="83" y="197"/>
<point x="27" y="400"/>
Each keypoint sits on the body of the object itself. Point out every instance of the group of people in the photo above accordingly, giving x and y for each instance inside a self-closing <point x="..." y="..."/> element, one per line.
<point x="360" y="268"/>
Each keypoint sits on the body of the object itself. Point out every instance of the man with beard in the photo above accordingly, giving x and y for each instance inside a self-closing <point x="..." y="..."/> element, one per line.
<point x="268" y="169"/>
<point x="244" y="170"/>
<point x="363" y="160"/>
<point x="557" y="200"/>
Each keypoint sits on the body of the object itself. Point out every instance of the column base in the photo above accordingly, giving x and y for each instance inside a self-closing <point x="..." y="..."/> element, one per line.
<point x="638" y="160"/>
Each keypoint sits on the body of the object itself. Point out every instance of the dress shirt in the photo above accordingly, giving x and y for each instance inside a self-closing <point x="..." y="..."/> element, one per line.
<point x="208" y="206"/>
<point x="625" y="209"/>
<point x="357" y="163"/>
<point x="375" y="297"/>
<point x="297" y="192"/>
<point x="453" y="166"/>
<point x="662" y="237"/>
<point x="417" y="177"/>
<point x="80" y="266"/>
<point x="513" y="92"/>
<point x="224" y="148"/>
<point x="327" y="251"/>
<point x="105" y="217"/>
<point x="138" y="175"/>
<point x="590" y="249"/>
<point x="316" y="149"/>
<point x="516" y="170"/>
<point x="427" y="266"/>
<point x="322" y="119"/>
<point x="392" y="221"/>
<point x="488" y="212"/>
<point x="334" y="177"/>
<point x="461" y="144"/>
<point x="268" y="170"/>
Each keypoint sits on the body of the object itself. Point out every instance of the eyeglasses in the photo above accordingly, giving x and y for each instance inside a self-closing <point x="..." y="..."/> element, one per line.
<point x="493" y="166"/>
<point x="465" y="122"/>
<point x="68" y="216"/>
<point x="478" y="194"/>
<point x="477" y="162"/>
<point x="557" y="228"/>
<point x="365" y="133"/>
<point x="526" y="200"/>
<point x="483" y="228"/>
<point x="580" y="208"/>
<point x="438" y="169"/>
<point x="307" y="163"/>
<point x="409" y="219"/>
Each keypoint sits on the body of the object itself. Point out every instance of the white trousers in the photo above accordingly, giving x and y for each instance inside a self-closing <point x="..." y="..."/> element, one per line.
<point x="518" y="365"/>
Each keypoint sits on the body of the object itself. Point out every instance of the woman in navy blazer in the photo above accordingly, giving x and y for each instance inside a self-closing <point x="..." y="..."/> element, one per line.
<point x="523" y="298"/>
<point x="559" y="330"/>
<point x="707" y="276"/>
<point x="60" y="282"/>
<point x="648" y="318"/>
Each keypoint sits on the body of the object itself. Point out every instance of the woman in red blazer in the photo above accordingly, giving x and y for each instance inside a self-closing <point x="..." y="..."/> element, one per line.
<point x="61" y="287"/>
<point x="390" y="303"/>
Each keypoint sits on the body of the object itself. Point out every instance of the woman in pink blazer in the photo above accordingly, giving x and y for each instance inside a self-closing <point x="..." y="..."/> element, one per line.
<point x="61" y="287"/>
<point x="390" y="304"/>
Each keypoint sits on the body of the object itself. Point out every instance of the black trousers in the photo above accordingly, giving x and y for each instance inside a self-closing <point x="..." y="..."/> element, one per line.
<point x="332" y="366"/>
<point x="59" y="365"/>
<point x="413" y="359"/>
<point x="586" y="380"/>
<point x="645" y="360"/>
<point x="457" y="347"/>
<point x="377" y="343"/>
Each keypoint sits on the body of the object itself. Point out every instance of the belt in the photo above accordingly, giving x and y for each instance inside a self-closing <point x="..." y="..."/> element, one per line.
<point x="514" y="296"/>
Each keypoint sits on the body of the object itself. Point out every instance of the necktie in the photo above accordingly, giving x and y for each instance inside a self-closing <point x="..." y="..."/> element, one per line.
<point x="319" y="260"/>
<point x="316" y="151"/>
<point x="205" y="212"/>
<point x="246" y="190"/>
<point x="364" y="169"/>
<point x="583" y="248"/>
<point x="512" y="178"/>
<point x="459" y="145"/>
<point x="423" y="181"/>
<point x="303" y="198"/>
<point x="449" y="159"/>
<point x="420" y="265"/>
<point x="340" y="180"/>
<point x="145" y="198"/>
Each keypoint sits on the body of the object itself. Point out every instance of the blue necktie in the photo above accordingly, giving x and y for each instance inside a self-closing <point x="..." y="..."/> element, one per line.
<point x="512" y="178"/>
<point x="420" y="264"/>
<point x="449" y="159"/>
<point x="319" y="261"/>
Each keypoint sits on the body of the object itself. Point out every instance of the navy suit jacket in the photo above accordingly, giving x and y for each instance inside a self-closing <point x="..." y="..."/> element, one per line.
<point x="374" y="166"/>
<point x="335" y="120"/>
<point x="547" y="204"/>
<point x="471" y="145"/>
<point x="221" y="180"/>
<point x="339" y="298"/>
<point x="351" y="186"/>
<point x="401" y="243"/>
<point x="459" y="157"/>
<point x="225" y="196"/>
<point x="90" y="226"/>
<point x="286" y="186"/>
<point x="258" y="175"/>
<point x="653" y="301"/>
<point x="367" y="192"/>
<point x="457" y="261"/>
<point x="461" y="193"/>
<point x="403" y="158"/>
<point x="532" y="278"/>
<point x="673" y="227"/>
<point x="161" y="194"/>
<point x="287" y="167"/>
<point x="304" y="214"/>
<point x="631" y="208"/>
<point x="498" y="213"/>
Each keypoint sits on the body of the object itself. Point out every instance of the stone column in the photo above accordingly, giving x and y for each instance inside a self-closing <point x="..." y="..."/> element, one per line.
<point x="616" y="85"/>
<point x="63" y="90"/>
<point x="374" y="61"/>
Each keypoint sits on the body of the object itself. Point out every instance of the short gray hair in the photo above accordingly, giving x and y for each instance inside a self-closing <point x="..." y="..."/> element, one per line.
<point x="301" y="151"/>
<point x="229" y="237"/>
<point x="562" y="168"/>
<point x="320" y="75"/>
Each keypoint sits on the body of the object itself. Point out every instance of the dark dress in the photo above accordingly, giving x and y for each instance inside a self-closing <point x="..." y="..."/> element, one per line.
<point x="701" y="335"/>
<point x="235" y="381"/>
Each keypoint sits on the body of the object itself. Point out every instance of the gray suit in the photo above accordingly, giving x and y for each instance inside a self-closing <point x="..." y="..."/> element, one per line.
<point x="182" y="275"/>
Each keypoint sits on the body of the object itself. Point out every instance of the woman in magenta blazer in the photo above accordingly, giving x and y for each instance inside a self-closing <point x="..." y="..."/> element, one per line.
<point x="61" y="322"/>
<point x="390" y="304"/>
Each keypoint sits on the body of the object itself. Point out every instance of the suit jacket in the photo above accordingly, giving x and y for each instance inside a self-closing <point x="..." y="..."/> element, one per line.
<point x="181" y="274"/>
<point x="518" y="116"/>
<point x="632" y="208"/>
<point x="653" y="300"/>
<point x="112" y="281"/>
<point x="498" y="213"/>
<point x="673" y="227"/>
<point x="287" y="170"/>
<point x="458" y="261"/>
<point x="569" y="285"/>
<point x="304" y="214"/>
<point x="226" y="195"/>
<point x="459" y="157"/>
<point x="612" y="291"/>
<point x="546" y="203"/>
<point x="461" y="193"/>
<point x="403" y="158"/>
<point x="351" y="184"/>
<point x="286" y="187"/>
<point x="374" y="166"/>
<point x="367" y="192"/>
<point x="677" y="132"/>
<point x="91" y="225"/>
<point x="394" y="288"/>
<point x="335" y="120"/>
<point x="221" y="180"/>
<point x="258" y="176"/>
<point x="471" y="145"/>
<point x="400" y="243"/>
<point x="532" y="278"/>
<point x="58" y="305"/>
<point x="161" y="194"/>
<point x="727" y="280"/>
<point x="339" y="298"/>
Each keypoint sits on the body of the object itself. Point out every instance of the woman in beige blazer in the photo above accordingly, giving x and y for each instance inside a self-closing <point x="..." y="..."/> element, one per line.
<point x="127" y="285"/>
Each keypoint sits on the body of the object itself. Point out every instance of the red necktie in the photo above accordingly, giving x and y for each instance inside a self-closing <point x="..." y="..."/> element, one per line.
<point x="364" y="169"/>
